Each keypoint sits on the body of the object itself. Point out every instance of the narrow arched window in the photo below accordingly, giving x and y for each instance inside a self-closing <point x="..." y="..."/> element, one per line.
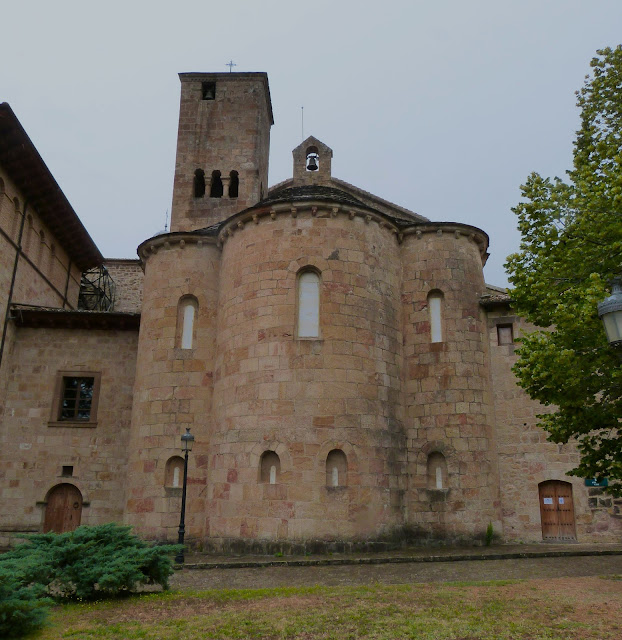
<point x="270" y="467"/>
<point x="174" y="472"/>
<point x="16" y="220"/>
<point x="234" y="184"/>
<point x="336" y="469"/>
<point x="437" y="471"/>
<point x="52" y="265"/>
<point x="41" y="249"/>
<point x="308" y="305"/>
<point x="435" y="309"/>
<point x="26" y="248"/>
<point x="216" y="188"/>
<point x="199" y="183"/>
<point x="186" y="321"/>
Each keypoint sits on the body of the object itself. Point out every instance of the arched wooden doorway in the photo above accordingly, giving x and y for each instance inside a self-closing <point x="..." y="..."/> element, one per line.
<point x="557" y="510"/>
<point x="63" y="511"/>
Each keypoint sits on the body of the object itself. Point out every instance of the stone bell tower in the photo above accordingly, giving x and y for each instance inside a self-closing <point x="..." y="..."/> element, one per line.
<point x="223" y="145"/>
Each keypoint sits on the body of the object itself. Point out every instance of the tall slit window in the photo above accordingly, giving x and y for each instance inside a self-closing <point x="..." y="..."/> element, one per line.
<point x="234" y="184"/>
<point x="186" y="320"/>
<point x="309" y="305"/>
<point x="437" y="471"/>
<point x="435" y="309"/>
<point x="216" y="188"/>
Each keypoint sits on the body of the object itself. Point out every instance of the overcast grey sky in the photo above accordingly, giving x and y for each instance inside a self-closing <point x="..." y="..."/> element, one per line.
<point x="442" y="107"/>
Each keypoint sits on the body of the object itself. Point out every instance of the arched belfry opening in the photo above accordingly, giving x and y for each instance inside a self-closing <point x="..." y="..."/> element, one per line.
<point x="216" y="188"/>
<point x="312" y="160"/>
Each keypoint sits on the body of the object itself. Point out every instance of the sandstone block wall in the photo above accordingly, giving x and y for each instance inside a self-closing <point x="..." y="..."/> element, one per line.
<point x="128" y="279"/>
<point x="33" y="452"/>
<point x="301" y="398"/>
<point x="229" y="133"/>
<point x="526" y="458"/>
<point x="173" y="389"/>
<point x="447" y="394"/>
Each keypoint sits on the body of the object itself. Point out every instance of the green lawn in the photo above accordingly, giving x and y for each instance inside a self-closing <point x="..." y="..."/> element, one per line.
<point x="568" y="609"/>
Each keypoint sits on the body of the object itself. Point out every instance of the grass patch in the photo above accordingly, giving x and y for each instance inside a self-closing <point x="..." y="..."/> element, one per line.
<point x="504" y="610"/>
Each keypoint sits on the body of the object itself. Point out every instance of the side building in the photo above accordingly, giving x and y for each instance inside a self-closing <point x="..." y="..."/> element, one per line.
<point x="343" y="366"/>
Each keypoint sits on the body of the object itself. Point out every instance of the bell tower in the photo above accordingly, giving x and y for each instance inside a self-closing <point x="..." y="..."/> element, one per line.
<point x="223" y="143"/>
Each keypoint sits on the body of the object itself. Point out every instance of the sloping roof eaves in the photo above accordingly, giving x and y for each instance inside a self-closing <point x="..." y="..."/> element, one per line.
<point x="54" y="318"/>
<point x="21" y="160"/>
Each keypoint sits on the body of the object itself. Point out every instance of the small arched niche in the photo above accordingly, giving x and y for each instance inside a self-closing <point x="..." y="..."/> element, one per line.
<point x="308" y="319"/>
<point x="198" y="186"/>
<point x="216" y="188"/>
<point x="435" y="310"/>
<point x="336" y="469"/>
<point x="174" y="473"/>
<point x="187" y="310"/>
<point x="234" y="184"/>
<point x="312" y="159"/>
<point x="269" y="467"/>
<point x="437" y="471"/>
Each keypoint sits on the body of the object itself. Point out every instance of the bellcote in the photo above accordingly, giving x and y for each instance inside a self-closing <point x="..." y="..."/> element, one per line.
<point x="312" y="159"/>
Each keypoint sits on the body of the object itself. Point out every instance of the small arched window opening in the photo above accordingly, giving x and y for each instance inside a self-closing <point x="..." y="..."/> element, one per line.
<point x="216" y="189"/>
<point x="199" y="183"/>
<point x="312" y="159"/>
<point x="174" y="472"/>
<point x="437" y="471"/>
<point x="435" y="309"/>
<point x="270" y="468"/>
<point x="308" y="304"/>
<point x="186" y="321"/>
<point x="41" y="248"/>
<point x="234" y="184"/>
<point x="29" y="232"/>
<point x="336" y="469"/>
<point x="52" y="265"/>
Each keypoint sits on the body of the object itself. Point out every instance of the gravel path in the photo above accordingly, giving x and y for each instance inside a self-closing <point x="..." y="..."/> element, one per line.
<point x="523" y="568"/>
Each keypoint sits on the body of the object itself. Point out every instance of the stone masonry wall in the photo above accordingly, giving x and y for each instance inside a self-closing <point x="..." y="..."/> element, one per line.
<point x="447" y="394"/>
<point x="173" y="390"/>
<point x="33" y="452"/>
<point x="301" y="398"/>
<point x="229" y="133"/>
<point x="526" y="458"/>
<point x="128" y="278"/>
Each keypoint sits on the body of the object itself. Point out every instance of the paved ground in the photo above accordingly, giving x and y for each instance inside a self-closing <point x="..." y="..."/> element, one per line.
<point x="414" y="565"/>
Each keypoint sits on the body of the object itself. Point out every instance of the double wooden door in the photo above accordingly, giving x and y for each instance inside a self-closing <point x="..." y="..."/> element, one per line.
<point x="63" y="511"/>
<point x="557" y="510"/>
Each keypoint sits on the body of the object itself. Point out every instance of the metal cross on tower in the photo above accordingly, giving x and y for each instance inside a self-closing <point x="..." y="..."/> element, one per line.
<point x="231" y="64"/>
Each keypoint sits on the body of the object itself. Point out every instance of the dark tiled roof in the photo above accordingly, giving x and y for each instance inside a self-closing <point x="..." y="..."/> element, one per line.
<point x="310" y="192"/>
<point x="22" y="162"/>
<point x="54" y="318"/>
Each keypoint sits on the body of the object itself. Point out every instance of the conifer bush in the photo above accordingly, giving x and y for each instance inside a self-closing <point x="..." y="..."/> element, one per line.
<point x="86" y="564"/>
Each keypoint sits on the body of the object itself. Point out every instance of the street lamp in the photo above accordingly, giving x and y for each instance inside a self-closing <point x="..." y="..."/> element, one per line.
<point x="610" y="312"/>
<point x="187" y="440"/>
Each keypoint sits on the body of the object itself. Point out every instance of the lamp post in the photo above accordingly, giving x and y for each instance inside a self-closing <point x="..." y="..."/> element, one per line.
<point x="610" y="312"/>
<point x="187" y="440"/>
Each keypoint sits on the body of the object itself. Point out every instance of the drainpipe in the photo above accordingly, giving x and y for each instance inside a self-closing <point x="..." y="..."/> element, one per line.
<point x="18" y="253"/>
<point x="67" y="283"/>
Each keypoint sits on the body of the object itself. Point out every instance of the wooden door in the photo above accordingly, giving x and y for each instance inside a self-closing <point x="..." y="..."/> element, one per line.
<point x="557" y="510"/>
<point x="63" y="511"/>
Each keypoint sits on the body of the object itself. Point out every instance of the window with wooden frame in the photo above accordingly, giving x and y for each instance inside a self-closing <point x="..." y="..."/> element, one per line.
<point x="76" y="398"/>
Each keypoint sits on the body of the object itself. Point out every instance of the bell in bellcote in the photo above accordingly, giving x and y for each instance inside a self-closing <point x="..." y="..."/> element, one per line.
<point x="312" y="163"/>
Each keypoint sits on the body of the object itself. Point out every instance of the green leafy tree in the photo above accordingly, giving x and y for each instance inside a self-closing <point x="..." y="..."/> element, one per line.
<point x="571" y="248"/>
